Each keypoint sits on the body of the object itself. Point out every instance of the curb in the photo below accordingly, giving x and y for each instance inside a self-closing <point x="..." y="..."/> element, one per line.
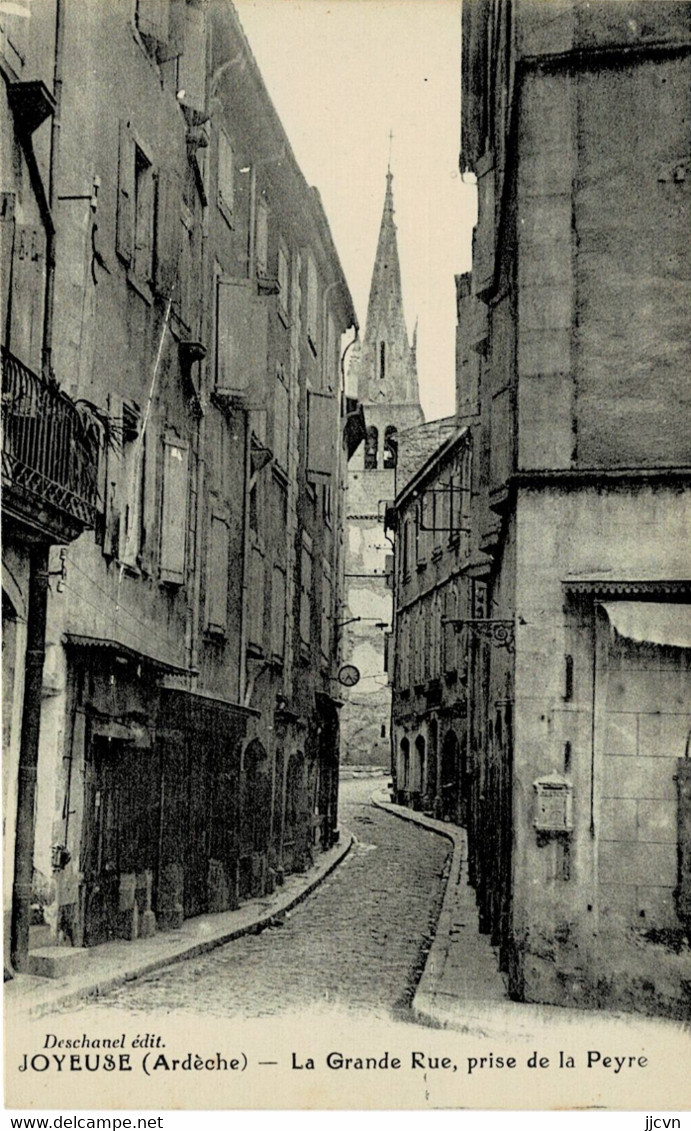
<point x="195" y="949"/>
<point x="423" y="1004"/>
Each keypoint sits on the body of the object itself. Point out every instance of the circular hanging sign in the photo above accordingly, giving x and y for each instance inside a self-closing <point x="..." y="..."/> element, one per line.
<point x="348" y="675"/>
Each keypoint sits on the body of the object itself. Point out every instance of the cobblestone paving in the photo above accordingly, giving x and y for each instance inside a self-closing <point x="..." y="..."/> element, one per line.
<point x="356" y="942"/>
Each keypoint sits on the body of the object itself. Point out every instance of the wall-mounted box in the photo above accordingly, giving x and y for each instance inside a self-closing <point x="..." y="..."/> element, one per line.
<point x="553" y="804"/>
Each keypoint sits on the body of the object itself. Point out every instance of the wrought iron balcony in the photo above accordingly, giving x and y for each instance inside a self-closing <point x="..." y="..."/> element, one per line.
<point x="50" y="452"/>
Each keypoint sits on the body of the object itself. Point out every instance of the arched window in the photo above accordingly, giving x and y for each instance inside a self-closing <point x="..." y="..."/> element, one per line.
<point x="371" y="445"/>
<point x="382" y="360"/>
<point x="417" y="784"/>
<point x="390" y="446"/>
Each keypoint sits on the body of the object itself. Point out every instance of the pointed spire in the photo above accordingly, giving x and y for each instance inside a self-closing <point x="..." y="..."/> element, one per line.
<point x="387" y="369"/>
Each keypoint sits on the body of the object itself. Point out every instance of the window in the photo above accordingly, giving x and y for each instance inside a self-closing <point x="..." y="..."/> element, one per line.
<point x="405" y="550"/>
<point x="225" y="177"/>
<point x="312" y="303"/>
<point x="419" y="537"/>
<point x="321" y="434"/>
<point x="253" y="513"/>
<point x="217" y="575"/>
<point x="283" y="282"/>
<point x="327" y="504"/>
<point x="449" y="638"/>
<point x="135" y="207"/>
<point x="187" y="282"/>
<point x="143" y="216"/>
<point x="255" y="628"/>
<point x="174" y="510"/>
<point x="261" y="248"/>
<point x="306" y="590"/>
<point x="371" y="445"/>
<point x="382" y="360"/>
<point x="390" y="445"/>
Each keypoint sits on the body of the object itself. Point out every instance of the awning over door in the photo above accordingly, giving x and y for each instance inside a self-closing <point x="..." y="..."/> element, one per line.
<point x="651" y="622"/>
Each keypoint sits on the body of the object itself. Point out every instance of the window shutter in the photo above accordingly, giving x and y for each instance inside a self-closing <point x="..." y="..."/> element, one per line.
<point x="388" y="570"/>
<point x="217" y="575"/>
<point x="124" y="230"/>
<point x="150" y="497"/>
<point x="256" y="605"/>
<point x="281" y="410"/>
<point x="174" y="510"/>
<point x="283" y="280"/>
<point x="312" y="299"/>
<point x="306" y="595"/>
<point x="241" y="342"/>
<point x="225" y="175"/>
<point x="27" y="286"/>
<point x="262" y="242"/>
<point x="278" y="612"/>
<point x="327" y="610"/>
<point x="192" y="65"/>
<point x="321" y="434"/>
<point x="168" y="235"/>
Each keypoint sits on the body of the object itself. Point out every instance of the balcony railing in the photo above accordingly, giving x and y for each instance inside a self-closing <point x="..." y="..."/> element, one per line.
<point x="49" y="448"/>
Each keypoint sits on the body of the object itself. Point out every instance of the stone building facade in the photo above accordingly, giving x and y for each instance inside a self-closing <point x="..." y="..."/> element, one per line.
<point x="431" y="591"/>
<point x="574" y="332"/>
<point x="384" y="373"/>
<point x="188" y="732"/>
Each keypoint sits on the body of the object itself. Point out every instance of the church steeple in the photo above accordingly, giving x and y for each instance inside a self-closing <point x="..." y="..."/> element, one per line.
<point x="387" y="368"/>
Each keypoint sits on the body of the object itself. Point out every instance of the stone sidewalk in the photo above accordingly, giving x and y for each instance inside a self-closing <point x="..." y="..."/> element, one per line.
<point x="120" y="961"/>
<point x="461" y="986"/>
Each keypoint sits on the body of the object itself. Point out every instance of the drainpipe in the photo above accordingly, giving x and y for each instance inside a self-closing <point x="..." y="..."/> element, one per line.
<point x="38" y="561"/>
<point x="245" y="565"/>
<point x="49" y="301"/>
<point x="28" y="756"/>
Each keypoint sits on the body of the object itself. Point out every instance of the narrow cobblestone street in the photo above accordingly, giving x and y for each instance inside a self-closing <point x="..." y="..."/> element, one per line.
<point x="356" y="942"/>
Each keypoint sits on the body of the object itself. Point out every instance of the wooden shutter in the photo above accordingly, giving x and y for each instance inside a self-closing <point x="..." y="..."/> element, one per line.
<point x="124" y="230"/>
<point x="327" y="610"/>
<point x="312" y="299"/>
<point x="283" y="280"/>
<point x="150" y="495"/>
<point x="27" y="282"/>
<point x="217" y="575"/>
<point x="225" y="175"/>
<point x="241" y="342"/>
<point x="256" y="604"/>
<point x="278" y="612"/>
<point x="306" y="595"/>
<point x="168" y="234"/>
<point x="281" y="411"/>
<point x="262" y="241"/>
<point x="174" y="510"/>
<point x="321" y="434"/>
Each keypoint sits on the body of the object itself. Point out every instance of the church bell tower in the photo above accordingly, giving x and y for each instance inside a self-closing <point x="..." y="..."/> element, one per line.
<point x="385" y="371"/>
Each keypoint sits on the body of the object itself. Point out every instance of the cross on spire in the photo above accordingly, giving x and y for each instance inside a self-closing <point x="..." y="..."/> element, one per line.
<point x="390" y="147"/>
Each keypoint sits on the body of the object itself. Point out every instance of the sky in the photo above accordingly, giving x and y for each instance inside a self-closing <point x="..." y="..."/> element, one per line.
<point x="342" y="74"/>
